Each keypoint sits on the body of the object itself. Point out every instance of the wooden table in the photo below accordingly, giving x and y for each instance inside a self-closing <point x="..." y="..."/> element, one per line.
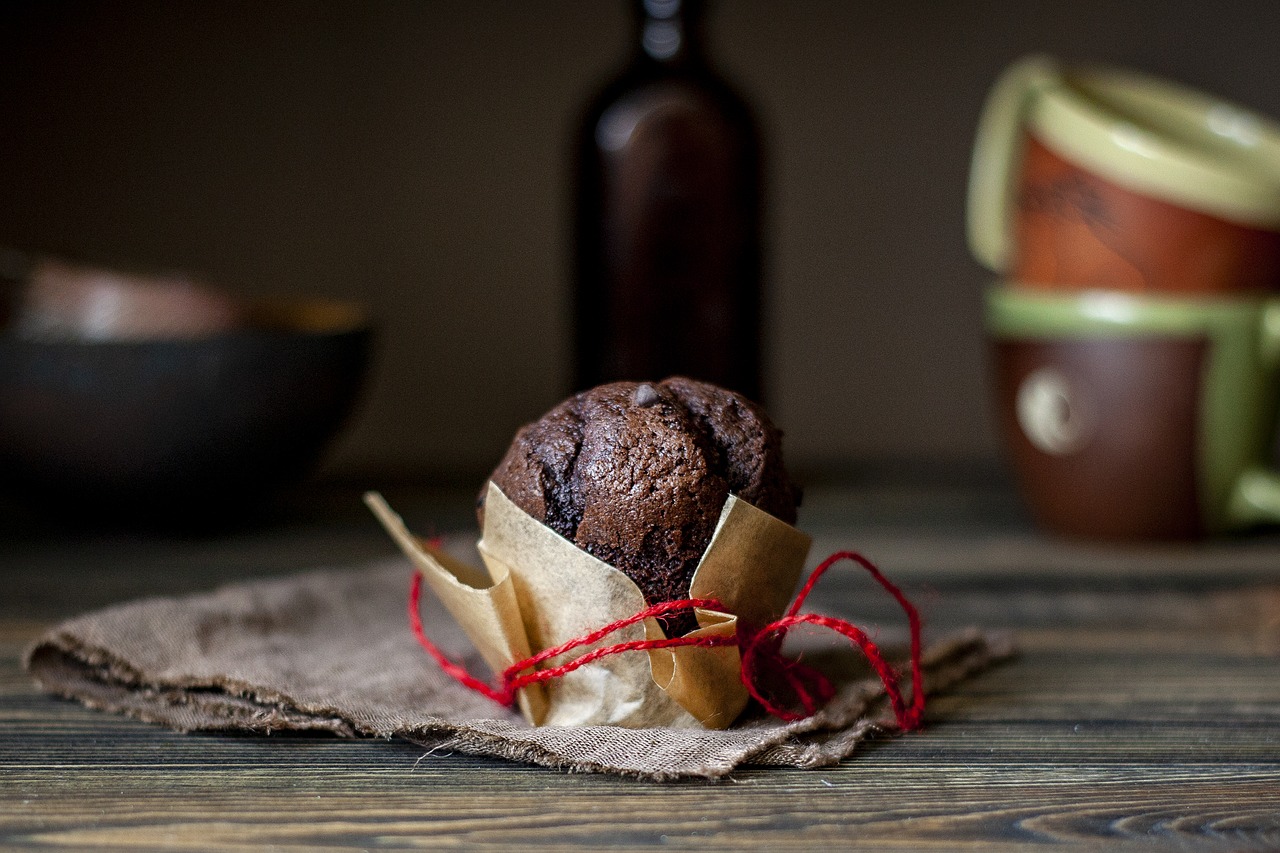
<point x="1143" y="711"/>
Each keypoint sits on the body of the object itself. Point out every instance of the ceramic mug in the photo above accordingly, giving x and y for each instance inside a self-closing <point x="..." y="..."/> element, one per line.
<point x="1096" y="178"/>
<point x="1132" y="417"/>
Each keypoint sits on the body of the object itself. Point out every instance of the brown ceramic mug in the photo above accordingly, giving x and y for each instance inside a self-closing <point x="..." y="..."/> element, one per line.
<point x="1092" y="178"/>
<point x="1138" y="417"/>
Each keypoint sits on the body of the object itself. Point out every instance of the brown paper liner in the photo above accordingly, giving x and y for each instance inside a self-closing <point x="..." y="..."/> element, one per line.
<point x="541" y="590"/>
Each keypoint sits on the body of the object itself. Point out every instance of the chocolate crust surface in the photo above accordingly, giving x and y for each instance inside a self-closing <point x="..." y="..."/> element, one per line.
<point x="636" y="474"/>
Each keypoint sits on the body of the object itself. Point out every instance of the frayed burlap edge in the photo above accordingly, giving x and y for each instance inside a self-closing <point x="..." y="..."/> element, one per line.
<point x="98" y="679"/>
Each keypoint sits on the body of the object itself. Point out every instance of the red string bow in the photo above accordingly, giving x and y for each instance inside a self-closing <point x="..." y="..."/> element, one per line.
<point x="759" y="649"/>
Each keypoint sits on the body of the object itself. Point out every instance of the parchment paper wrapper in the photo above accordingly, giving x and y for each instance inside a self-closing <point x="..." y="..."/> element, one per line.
<point x="538" y="590"/>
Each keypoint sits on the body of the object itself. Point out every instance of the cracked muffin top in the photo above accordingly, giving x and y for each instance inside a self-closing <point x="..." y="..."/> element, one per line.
<point x="636" y="474"/>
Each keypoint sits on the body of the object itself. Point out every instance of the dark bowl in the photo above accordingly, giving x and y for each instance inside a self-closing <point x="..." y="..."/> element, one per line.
<point x="178" y="429"/>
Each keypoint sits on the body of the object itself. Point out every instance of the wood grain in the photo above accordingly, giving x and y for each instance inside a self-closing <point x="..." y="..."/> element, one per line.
<point x="1138" y="716"/>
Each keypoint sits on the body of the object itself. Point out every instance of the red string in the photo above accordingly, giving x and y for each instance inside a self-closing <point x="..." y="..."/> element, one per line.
<point x="760" y="652"/>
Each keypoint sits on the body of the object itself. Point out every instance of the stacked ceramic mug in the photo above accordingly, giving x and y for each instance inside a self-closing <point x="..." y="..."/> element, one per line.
<point x="1135" y="327"/>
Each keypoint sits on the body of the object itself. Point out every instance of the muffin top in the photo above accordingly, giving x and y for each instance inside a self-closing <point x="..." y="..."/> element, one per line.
<point x="636" y="474"/>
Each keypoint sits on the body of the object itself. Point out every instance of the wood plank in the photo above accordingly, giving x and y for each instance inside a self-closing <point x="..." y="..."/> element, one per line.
<point x="1141" y="713"/>
<point x="1029" y="752"/>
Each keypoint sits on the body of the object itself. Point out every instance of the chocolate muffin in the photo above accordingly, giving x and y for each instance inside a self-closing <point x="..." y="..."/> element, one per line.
<point x="636" y="474"/>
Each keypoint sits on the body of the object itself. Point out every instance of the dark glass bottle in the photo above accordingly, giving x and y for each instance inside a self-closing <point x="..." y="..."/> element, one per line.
<point x="668" y="257"/>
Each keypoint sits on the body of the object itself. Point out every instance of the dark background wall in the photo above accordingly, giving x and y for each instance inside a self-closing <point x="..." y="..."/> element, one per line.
<point x="415" y="155"/>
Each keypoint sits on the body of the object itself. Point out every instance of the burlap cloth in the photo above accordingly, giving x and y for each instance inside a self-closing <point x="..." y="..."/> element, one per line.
<point x="331" y="651"/>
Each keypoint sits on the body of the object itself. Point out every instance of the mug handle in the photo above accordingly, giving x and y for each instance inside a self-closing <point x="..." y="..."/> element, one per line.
<point x="1256" y="497"/>
<point x="996" y="157"/>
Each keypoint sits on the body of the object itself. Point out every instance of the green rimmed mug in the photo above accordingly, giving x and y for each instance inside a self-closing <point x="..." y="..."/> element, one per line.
<point x="1136" y="417"/>
<point x="1093" y="177"/>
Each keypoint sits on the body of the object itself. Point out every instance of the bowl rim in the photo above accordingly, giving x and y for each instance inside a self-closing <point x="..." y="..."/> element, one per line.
<point x="279" y="316"/>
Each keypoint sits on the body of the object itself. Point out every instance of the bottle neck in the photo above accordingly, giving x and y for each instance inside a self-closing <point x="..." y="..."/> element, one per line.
<point x="669" y="32"/>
